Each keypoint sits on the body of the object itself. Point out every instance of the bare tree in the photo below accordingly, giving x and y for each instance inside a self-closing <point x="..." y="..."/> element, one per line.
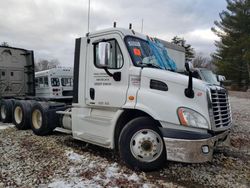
<point x="6" y="44"/>
<point x="203" y="62"/>
<point x="45" y="64"/>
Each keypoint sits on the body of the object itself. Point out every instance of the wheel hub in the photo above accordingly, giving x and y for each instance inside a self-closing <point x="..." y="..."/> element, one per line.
<point x="37" y="119"/>
<point x="18" y="114"/>
<point x="146" y="145"/>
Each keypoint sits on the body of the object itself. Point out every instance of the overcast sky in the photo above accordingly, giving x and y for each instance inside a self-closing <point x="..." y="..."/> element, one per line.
<point x="49" y="27"/>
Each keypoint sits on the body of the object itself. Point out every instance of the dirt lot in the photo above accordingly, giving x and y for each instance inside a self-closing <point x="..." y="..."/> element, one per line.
<point x="57" y="160"/>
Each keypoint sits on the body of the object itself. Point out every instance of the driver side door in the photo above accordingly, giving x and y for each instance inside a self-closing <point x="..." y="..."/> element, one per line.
<point x="102" y="90"/>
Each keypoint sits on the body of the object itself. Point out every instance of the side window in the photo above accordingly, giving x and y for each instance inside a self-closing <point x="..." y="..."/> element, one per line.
<point x="40" y="82"/>
<point x="116" y="59"/>
<point x="67" y="81"/>
<point x="46" y="81"/>
<point x="55" y="82"/>
<point x="36" y="81"/>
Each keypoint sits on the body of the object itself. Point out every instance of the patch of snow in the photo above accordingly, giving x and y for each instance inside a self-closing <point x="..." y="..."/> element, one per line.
<point x="112" y="170"/>
<point x="2" y="127"/>
<point x="75" y="183"/>
<point x="134" y="177"/>
<point x="145" y="185"/>
<point x="92" y="164"/>
<point x="74" y="156"/>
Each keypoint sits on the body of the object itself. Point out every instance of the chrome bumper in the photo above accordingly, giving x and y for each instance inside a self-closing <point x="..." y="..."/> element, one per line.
<point x="193" y="151"/>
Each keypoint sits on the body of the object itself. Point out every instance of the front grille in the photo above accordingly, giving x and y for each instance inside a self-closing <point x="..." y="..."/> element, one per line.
<point x="221" y="108"/>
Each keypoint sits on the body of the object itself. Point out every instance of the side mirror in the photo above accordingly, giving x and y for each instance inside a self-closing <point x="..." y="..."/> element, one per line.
<point x="221" y="78"/>
<point x="104" y="54"/>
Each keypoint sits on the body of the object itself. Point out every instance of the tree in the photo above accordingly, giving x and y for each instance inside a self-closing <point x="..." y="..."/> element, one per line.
<point x="201" y="62"/>
<point x="233" y="49"/>
<point x="189" y="51"/>
<point x="44" y="64"/>
<point x="5" y="44"/>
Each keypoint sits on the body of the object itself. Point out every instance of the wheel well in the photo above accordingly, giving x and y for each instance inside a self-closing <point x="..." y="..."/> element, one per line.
<point x="125" y="117"/>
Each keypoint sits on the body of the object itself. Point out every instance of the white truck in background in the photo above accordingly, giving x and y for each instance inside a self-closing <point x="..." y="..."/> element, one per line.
<point x="55" y="83"/>
<point x="177" y="53"/>
<point x="123" y="100"/>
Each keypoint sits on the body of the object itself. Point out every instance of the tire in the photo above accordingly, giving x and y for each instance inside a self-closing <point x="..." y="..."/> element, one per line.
<point x="40" y="120"/>
<point x="6" y="107"/>
<point x="141" y="145"/>
<point x="22" y="114"/>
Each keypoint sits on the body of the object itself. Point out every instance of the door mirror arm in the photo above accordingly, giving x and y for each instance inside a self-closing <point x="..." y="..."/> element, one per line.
<point x="189" y="92"/>
<point x="116" y="75"/>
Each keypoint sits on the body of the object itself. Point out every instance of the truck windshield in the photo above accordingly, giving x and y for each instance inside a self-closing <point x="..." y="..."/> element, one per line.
<point x="210" y="77"/>
<point x="55" y="82"/>
<point x="148" y="53"/>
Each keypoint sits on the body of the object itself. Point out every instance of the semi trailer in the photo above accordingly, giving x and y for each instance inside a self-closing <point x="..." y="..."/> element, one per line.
<point x="125" y="99"/>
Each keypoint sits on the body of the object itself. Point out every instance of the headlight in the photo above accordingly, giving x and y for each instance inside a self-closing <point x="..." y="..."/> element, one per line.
<point x="192" y="118"/>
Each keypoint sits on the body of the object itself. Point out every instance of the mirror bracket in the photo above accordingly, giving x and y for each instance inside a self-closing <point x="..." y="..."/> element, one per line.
<point x="189" y="92"/>
<point x="116" y="75"/>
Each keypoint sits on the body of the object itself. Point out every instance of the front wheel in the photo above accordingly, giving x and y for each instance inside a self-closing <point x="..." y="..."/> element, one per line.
<point x="141" y="145"/>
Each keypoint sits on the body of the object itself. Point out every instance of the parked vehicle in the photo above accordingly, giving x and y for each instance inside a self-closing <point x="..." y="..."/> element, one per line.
<point x="55" y="83"/>
<point x="16" y="72"/>
<point x="17" y="82"/>
<point x="125" y="98"/>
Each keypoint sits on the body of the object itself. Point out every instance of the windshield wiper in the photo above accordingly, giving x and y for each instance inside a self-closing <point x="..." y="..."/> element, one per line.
<point x="149" y="65"/>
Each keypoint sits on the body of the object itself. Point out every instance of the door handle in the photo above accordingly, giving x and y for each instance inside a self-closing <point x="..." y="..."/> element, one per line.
<point x="92" y="93"/>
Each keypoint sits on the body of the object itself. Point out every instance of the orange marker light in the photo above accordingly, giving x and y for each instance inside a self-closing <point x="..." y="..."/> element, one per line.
<point x="182" y="118"/>
<point x="131" y="98"/>
<point x="137" y="51"/>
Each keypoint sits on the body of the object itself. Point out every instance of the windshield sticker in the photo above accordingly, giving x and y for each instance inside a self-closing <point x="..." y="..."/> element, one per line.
<point x="137" y="52"/>
<point x="134" y="43"/>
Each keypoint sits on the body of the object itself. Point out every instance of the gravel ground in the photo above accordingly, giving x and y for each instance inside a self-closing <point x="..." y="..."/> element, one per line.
<point x="57" y="160"/>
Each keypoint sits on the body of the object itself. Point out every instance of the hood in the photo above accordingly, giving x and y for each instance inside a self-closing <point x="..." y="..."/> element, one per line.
<point x="173" y="77"/>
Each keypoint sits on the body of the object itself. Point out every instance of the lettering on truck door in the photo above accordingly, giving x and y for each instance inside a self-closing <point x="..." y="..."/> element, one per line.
<point x="103" y="90"/>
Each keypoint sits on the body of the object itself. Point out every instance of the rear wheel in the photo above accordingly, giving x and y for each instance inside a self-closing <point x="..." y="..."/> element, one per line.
<point x="6" y="107"/>
<point x="39" y="119"/>
<point x="21" y="114"/>
<point x="141" y="145"/>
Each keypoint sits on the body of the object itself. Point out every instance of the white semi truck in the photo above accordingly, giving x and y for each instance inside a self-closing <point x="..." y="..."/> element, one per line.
<point x="123" y="100"/>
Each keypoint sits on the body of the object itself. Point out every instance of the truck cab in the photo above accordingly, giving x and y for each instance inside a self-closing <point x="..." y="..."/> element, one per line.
<point x="16" y="72"/>
<point x="206" y="75"/>
<point x="125" y="100"/>
<point x="126" y="97"/>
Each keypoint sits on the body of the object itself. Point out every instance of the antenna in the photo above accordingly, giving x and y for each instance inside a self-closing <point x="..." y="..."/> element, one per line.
<point x="114" y="24"/>
<point x="88" y="15"/>
<point x="142" y="26"/>
<point x="130" y="26"/>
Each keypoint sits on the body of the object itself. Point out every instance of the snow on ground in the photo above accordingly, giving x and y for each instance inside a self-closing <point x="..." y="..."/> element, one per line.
<point x="93" y="173"/>
<point x="6" y="126"/>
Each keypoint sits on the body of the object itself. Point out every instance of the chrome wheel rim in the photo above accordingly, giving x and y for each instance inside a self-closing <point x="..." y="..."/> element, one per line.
<point x="37" y="119"/>
<point x="146" y="145"/>
<point x="18" y="114"/>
